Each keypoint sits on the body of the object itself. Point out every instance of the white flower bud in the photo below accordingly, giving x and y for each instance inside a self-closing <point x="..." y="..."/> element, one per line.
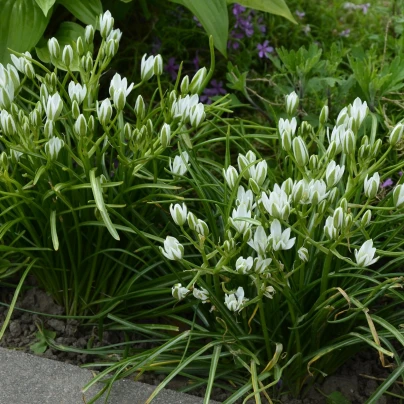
<point x="80" y="46"/>
<point x="338" y="218"/>
<point x="329" y="229"/>
<point x="77" y="92"/>
<point x="324" y="115"/>
<point x="300" y="151"/>
<point x="366" y="218"/>
<point x="197" y="81"/>
<point x="396" y="134"/>
<point x="192" y="220"/>
<point x="197" y="115"/>
<point x="67" y="55"/>
<point x="89" y="34"/>
<point x="75" y="109"/>
<point x="398" y="196"/>
<point x="158" y="65"/>
<point x="111" y="48"/>
<point x="371" y="185"/>
<point x="180" y="164"/>
<point x="104" y="111"/>
<point x="202" y="228"/>
<point x="48" y="129"/>
<point x="165" y="135"/>
<point x="230" y="175"/>
<point x="179" y="213"/>
<point x="147" y="68"/>
<point x="54" y="48"/>
<point x="106" y="24"/>
<point x="348" y="142"/>
<point x="184" y="87"/>
<point x="80" y="126"/>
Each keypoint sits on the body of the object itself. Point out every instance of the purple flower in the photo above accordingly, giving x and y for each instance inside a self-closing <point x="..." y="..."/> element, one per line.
<point x="172" y="68"/>
<point x="246" y="25"/>
<point x="238" y="9"/>
<point x="215" y="89"/>
<point x="264" y="49"/>
<point x="300" y="14"/>
<point x="262" y="27"/>
<point x="234" y="41"/>
<point x="195" y="61"/>
<point x="388" y="183"/>
<point x="364" y="7"/>
<point x="345" y="33"/>
<point x="400" y="173"/>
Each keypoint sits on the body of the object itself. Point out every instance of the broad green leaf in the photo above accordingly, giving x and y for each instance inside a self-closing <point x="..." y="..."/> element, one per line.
<point x="45" y="5"/>
<point x="22" y="24"/>
<point x="67" y="34"/>
<point x="86" y="11"/>
<point x="277" y="7"/>
<point x="213" y="16"/>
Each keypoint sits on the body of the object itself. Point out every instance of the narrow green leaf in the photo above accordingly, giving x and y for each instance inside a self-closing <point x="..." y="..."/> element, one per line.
<point x="45" y="5"/>
<point x="54" y="234"/>
<point x="212" y="372"/>
<point x="38" y="174"/>
<point x="86" y="11"/>
<point x="277" y="7"/>
<point x="213" y="16"/>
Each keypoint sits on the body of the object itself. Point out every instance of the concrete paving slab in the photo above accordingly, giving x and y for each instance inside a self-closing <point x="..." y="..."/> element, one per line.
<point x="29" y="379"/>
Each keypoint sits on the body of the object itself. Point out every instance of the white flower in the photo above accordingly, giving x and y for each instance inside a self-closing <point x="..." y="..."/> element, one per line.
<point x="287" y="130"/>
<point x="280" y="240"/>
<point x="106" y="24"/>
<point x="230" y="175"/>
<point x="24" y="65"/>
<point x="244" y="161"/>
<point x="173" y="250"/>
<point x="277" y="205"/>
<point x="77" y="92"/>
<point x="178" y="291"/>
<point x="358" y="111"/>
<point x="179" y="213"/>
<point x="180" y="164"/>
<point x="201" y="228"/>
<point x="337" y="135"/>
<point x="104" y="111"/>
<point x="147" y="68"/>
<point x="261" y="264"/>
<point x="7" y="123"/>
<point x="291" y="101"/>
<point x="54" y="107"/>
<point x="119" y="90"/>
<point x="398" y="195"/>
<point x="197" y="115"/>
<point x="181" y="107"/>
<point x="245" y="197"/>
<point x="333" y="173"/>
<point x="259" y="172"/>
<point x="239" y="213"/>
<point x="303" y="254"/>
<point x="329" y="230"/>
<point x="269" y="292"/>
<point x="260" y="241"/>
<point x="243" y="266"/>
<point x="115" y="35"/>
<point x="317" y="191"/>
<point x="235" y="301"/>
<point x="364" y="257"/>
<point x="300" y="192"/>
<point x="371" y="185"/>
<point x="201" y="294"/>
<point x="53" y="147"/>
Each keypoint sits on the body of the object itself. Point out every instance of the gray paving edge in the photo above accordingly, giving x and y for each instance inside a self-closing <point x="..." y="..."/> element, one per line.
<point x="29" y="379"/>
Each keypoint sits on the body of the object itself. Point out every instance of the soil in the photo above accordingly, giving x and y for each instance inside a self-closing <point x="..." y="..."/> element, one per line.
<point x="356" y="380"/>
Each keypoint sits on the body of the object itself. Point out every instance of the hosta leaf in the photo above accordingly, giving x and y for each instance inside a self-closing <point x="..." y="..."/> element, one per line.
<point x="86" y="11"/>
<point x="45" y="5"/>
<point x="22" y="24"/>
<point x="213" y="16"/>
<point x="277" y="7"/>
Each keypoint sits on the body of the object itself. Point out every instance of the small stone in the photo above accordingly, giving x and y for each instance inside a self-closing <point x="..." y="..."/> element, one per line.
<point x="15" y="328"/>
<point x="57" y="325"/>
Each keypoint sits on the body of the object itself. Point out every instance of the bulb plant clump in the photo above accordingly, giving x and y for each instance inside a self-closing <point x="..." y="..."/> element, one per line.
<point x="297" y="264"/>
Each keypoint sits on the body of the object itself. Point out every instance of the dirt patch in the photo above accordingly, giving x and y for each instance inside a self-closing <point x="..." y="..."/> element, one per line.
<point x="356" y="380"/>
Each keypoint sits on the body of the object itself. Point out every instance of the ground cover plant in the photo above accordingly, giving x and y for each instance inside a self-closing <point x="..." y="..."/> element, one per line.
<point x="254" y="254"/>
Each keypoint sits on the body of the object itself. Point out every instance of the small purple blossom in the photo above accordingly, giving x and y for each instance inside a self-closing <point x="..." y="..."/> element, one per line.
<point x="364" y="7"/>
<point x="345" y="33"/>
<point x="246" y="25"/>
<point x="215" y="89"/>
<point x="238" y="9"/>
<point x="388" y="183"/>
<point x="172" y="68"/>
<point x="264" y="49"/>
<point x="261" y="26"/>
<point x="300" y="14"/>
<point x="234" y="42"/>
<point x="400" y="173"/>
